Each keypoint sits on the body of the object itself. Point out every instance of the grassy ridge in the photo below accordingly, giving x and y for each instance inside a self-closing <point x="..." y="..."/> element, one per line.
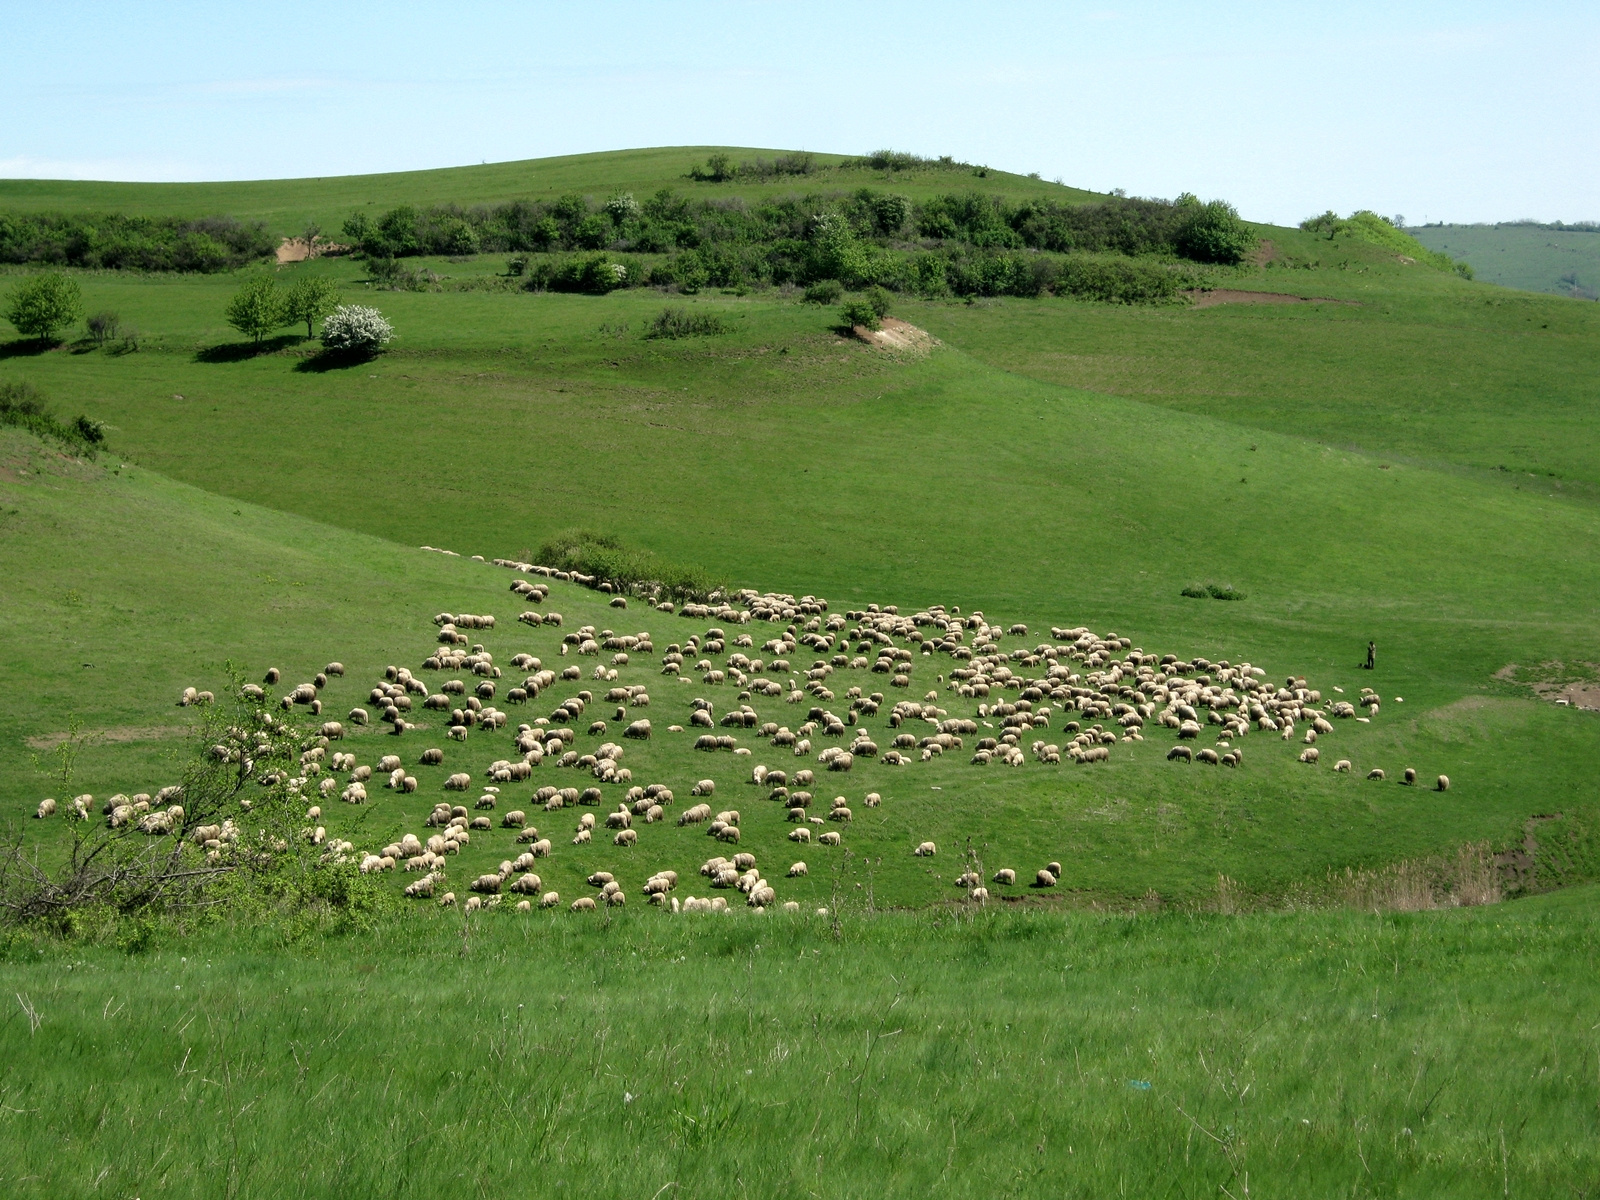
<point x="1302" y="1055"/>
<point x="288" y="204"/>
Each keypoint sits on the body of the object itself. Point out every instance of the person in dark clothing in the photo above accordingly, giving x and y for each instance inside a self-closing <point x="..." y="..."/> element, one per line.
<point x="1372" y="655"/>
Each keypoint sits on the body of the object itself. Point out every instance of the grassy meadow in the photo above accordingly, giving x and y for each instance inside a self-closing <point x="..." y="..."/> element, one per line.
<point x="1399" y="455"/>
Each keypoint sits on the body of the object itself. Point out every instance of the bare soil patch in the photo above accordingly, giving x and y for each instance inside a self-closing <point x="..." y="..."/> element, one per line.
<point x="1565" y="683"/>
<point x="1216" y="296"/>
<point x="293" y="250"/>
<point x="114" y="735"/>
<point x="899" y="336"/>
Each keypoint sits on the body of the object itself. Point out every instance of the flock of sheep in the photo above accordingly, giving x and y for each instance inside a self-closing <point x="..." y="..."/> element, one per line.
<point x="1070" y="698"/>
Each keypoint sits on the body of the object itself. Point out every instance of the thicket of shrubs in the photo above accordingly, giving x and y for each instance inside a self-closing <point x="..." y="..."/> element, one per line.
<point x="117" y="240"/>
<point x="1368" y="226"/>
<point x="638" y="571"/>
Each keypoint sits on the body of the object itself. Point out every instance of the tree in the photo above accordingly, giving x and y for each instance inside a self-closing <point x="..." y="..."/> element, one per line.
<point x="257" y="308"/>
<point x="309" y="300"/>
<point x="356" y="329"/>
<point x="43" y="304"/>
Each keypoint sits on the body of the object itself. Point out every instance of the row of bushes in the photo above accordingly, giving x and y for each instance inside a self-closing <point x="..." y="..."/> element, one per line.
<point x="795" y="225"/>
<point x="929" y="273"/>
<point x="23" y="407"/>
<point x="636" y="571"/>
<point x="117" y="240"/>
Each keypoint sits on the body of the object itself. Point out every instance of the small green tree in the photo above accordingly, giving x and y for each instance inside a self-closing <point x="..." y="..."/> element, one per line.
<point x="310" y="299"/>
<point x="1212" y="232"/>
<point x="44" y="303"/>
<point x="257" y="308"/>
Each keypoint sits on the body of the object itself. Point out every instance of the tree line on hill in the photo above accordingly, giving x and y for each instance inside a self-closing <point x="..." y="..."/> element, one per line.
<point x="110" y="240"/>
<point x="965" y="244"/>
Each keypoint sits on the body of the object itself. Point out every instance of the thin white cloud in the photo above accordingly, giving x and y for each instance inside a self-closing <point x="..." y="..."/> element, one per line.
<point x="131" y="170"/>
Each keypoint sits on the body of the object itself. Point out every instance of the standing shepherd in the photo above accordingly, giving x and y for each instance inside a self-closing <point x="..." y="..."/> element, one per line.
<point x="1372" y="656"/>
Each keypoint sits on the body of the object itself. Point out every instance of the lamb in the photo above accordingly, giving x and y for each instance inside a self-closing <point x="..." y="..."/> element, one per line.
<point x="925" y="850"/>
<point x="1006" y="876"/>
<point x="797" y="870"/>
<point x="1342" y="765"/>
<point x="800" y="835"/>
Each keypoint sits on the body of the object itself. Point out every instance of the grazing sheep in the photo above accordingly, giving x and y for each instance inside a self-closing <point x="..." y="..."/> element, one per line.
<point x="830" y="838"/>
<point x="47" y="808"/>
<point x="459" y="782"/>
<point x="797" y="870"/>
<point x="1006" y="876"/>
<point x="1443" y="783"/>
<point x="432" y="757"/>
<point x="925" y="850"/>
<point x="1180" y="752"/>
<point x="1410" y="776"/>
<point x="626" y="837"/>
<point x="549" y="899"/>
<point x="540" y="848"/>
<point x="1376" y="773"/>
<point x="1342" y="765"/>
<point x="1044" y="878"/>
<point x="1310" y="755"/>
<point x="514" y="819"/>
<point x="582" y="904"/>
<point x="800" y="835"/>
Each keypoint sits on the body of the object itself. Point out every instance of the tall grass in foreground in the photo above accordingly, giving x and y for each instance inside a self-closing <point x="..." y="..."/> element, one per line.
<point x="1001" y="1054"/>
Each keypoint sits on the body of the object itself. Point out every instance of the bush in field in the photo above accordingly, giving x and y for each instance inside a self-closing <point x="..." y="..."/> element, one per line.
<point x="880" y="300"/>
<point x="609" y="561"/>
<point x="356" y="329"/>
<point x="1212" y="232"/>
<point x="103" y="327"/>
<point x="860" y="312"/>
<point x="680" y="322"/>
<point x="41" y="305"/>
<point x="824" y="291"/>
<point x="310" y="299"/>
<point x="257" y="308"/>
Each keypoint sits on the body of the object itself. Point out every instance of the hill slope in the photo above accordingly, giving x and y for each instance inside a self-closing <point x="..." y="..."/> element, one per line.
<point x="1517" y="255"/>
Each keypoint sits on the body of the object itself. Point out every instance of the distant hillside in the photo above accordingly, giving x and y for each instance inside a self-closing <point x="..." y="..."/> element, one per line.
<point x="1536" y="258"/>
<point x="288" y="205"/>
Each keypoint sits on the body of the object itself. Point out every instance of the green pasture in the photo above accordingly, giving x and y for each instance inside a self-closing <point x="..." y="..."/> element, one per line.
<point x="782" y="456"/>
<point x="1002" y="1054"/>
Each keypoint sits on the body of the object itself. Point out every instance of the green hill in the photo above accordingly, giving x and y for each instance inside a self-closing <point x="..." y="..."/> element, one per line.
<point x="1270" y="462"/>
<point x="286" y="205"/>
<point x="1523" y="254"/>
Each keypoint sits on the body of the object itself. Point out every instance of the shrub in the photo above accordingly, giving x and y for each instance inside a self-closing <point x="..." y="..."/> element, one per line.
<point x="1212" y="232"/>
<point x="1213" y="591"/>
<point x="880" y="301"/>
<point x="640" y="571"/>
<point x="42" y="304"/>
<point x="103" y="327"/>
<point x="860" y="312"/>
<point x="1115" y="280"/>
<point x="680" y="322"/>
<point x="257" y="308"/>
<point x="22" y="406"/>
<point x="719" y="168"/>
<point x="356" y="329"/>
<point x="117" y="240"/>
<point x="309" y="299"/>
<point x="824" y="291"/>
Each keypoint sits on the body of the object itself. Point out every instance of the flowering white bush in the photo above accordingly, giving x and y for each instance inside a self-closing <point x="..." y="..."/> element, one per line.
<point x="355" y="327"/>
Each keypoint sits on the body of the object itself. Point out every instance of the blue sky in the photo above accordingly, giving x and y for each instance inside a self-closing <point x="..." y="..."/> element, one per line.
<point x="1465" y="111"/>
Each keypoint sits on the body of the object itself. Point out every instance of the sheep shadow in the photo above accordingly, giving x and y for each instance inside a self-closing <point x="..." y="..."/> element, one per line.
<point x="233" y="352"/>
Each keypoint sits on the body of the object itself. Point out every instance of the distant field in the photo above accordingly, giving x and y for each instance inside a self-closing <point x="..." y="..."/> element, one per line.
<point x="1536" y="259"/>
